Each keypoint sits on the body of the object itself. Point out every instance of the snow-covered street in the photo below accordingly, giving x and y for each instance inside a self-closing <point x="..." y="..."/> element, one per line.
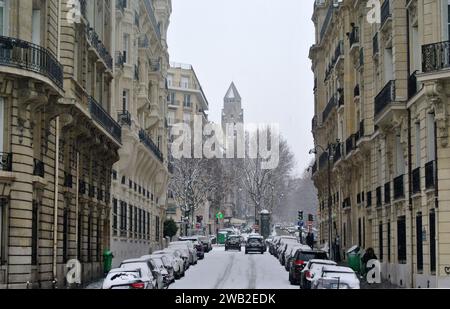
<point x="235" y="270"/>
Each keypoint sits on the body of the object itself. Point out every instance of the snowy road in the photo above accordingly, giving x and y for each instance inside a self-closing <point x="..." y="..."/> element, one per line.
<point x="235" y="270"/>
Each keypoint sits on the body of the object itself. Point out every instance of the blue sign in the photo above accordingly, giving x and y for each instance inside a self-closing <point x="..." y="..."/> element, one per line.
<point x="301" y="223"/>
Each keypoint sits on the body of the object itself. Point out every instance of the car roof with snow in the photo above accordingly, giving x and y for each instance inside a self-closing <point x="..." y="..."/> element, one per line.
<point x="324" y="262"/>
<point x="337" y="269"/>
<point x="140" y="260"/>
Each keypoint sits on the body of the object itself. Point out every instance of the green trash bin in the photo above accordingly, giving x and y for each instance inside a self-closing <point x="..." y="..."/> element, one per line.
<point x="354" y="258"/>
<point x="107" y="261"/>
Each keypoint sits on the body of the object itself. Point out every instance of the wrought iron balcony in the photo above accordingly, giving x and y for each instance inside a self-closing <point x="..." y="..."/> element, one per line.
<point x="385" y="11"/>
<point x="435" y="57"/>
<point x="387" y="193"/>
<point x="105" y="120"/>
<point x="31" y="57"/>
<point x="38" y="168"/>
<point x="68" y="180"/>
<point x="124" y="118"/>
<point x="375" y="45"/>
<point x="430" y="175"/>
<point x="148" y="142"/>
<point x="354" y="36"/>
<point x="416" y="180"/>
<point x="385" y="97"/>
<point x="399" y="187"/>
<point x="412" y="85"/>
<point x="97" y="44"/>
<point x="379" y="197"/>
<point x="5" y="162"/>
<point x="152" y="17"/>
<point x="329" y="108"/>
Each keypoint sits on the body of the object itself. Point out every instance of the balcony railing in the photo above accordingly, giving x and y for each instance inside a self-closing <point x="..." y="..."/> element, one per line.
<point x="5" y="162"/>
<point x="31" y="57"/>
<point x="385" y="11"/>
<point x="105" y="120"/>
<point x="375" y="45"/>
<point x="68" y="180"/>
<point x="38" y="168"/>
<point x="379" y="197"/>
<point x="399" y="187"/>
<point x="354" y="36"/>
<point x="430" y="170"/>
<point x="124" y="117"/>
<point x="329" y="108"/>
<point x="416" y="180"/>
<point x="385" y="97"/>
<point x="97" y="44"/>
<point x="412" y="85"/>
<point x="387" y="193"/>
<point x="435" y="56"/>
<point x="152" y="17"/>
<point x="147" y="141"/>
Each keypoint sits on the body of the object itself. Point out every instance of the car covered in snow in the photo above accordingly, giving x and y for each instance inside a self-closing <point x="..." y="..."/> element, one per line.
<point x="301" y="258"/>
<point x="312" y="270"/>
<point x="188" y="247"/>
<point x="255" y="244"/>
<point x="143" y="264"/>
<point x="164" y="266"/>
<point x="198" y="245"/>
<point x="336" y="277"/>
<point x="233" y="243"/>
<point x="289" y="254"/>
<point x="175" y="259"/>
<point x="133" y="277"/>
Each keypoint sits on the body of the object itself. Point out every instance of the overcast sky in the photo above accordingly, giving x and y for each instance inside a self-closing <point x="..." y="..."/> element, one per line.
<point x="261" y="45"/>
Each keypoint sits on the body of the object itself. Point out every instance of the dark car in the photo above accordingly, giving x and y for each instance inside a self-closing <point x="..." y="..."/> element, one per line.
<point x="233" y="243"/>
<point x="301" y="258"/>
<point x="255" y="244"/>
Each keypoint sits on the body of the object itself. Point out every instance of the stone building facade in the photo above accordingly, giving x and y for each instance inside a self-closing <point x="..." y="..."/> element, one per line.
<point x="140" y="178"/>
<point x="381" y="121"/>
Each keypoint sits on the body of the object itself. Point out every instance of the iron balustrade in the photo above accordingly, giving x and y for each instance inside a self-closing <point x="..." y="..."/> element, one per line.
<point x="354" y="36"/>
<point x="124" y="117"/>
<point x="416" y="180"/>
<point x="369" y="199"/>
<point x="399" y="187"/>
<point x="68" y="180"/>
<point x="5" y="162"/>
<point x="387" y="193"/>
<point x="38" y="168"/>
<point x="24" y="55"/>
<point x="97" y="44"/>
<point x="105" y="120"/>
<point x="147" y="141"/>
<point x="412" y="85"/>
<point x="379" y="196"/>
<point x="435" y="56"/>
<point x="430" y="175"/>
<point x="385" y="97"/>
<point x="329" y="108"/>
<point x="385" y="11"/>
<point x="375" y="45"/>
<point x="152" y="17"/>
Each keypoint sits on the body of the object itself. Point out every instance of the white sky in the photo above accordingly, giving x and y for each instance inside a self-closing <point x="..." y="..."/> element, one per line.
<point x="261" y="45"/>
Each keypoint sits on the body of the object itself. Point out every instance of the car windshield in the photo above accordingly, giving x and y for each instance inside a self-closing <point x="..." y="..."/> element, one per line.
<point x="254" y="241"/>
<point x="234" y="239"/>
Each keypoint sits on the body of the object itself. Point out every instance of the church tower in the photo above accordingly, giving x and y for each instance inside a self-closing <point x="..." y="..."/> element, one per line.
<point x="232" y="111"/>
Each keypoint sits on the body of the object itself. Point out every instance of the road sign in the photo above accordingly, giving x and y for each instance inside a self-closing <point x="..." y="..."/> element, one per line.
<point x="301" y="223"/>
<point x="219" y="215"/>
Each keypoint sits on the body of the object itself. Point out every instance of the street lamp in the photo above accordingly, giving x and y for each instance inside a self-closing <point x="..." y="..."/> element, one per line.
<point x="330" y="152"/>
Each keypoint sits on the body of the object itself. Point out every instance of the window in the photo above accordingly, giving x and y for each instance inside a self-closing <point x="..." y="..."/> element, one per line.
<point x="3" y="204"/>
<point x="169" y="80"/>
<point x="140" y="223"/>
<point x="432" y="241"/>
<point x="126" y="47"/>
<point x="359" y="232"/>
<point x="99" y="238"/>
<point x="115" y="217"/>
<point x="36" y="26"/>
<point x="2" y="117"/>
<point x="401" y="239"/>
<point x="135" y="222"/>
<point x="125" y="99"/>
<point x="89" y="237"/>
<point x="130" y="225"/>
<point x="66" y="231"/>
<point x="419" y="242"/>
<point x="4" y="17"/>
<point x="171" y="118"/>
<point x="431" y="138"/>
<point x="34" y="232"/>
<point x="148" y="225"/>
<point x="157" y="228"/>
<point x="123" y="218"/>
<point x="171" y="98"/>
<point x="388" y="65"/>
<point x="417" y="142"/>
<point x="184" y="82"/>
<point x="380" y="241"/>
<point x="389" y="241"/>
<point x="400" y="159"/>
<point x="187" y="100"/>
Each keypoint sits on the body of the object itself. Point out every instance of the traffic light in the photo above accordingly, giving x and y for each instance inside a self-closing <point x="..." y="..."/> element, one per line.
<point x="310" y="218"/>
<point x="300" y="215"/>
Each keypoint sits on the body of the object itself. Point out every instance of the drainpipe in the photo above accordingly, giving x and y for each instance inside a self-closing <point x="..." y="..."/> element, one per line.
<point x="436" y="201"/>
<point x="56" y="196"/>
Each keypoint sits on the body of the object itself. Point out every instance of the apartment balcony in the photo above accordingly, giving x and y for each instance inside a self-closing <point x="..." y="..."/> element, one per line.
<point x="399" y="187"/>
<point x="105" y="120"/>
<point x="430" y="175"/>
<point x="148" y="142"/>
<point x="387" y="193"/>
<point x="124" y="118"/>
<point x="416" y="181"/>
<point x="17" y="56"/>
<point x="38" y="168"/>
<point x="99" y="48"/>
<point x="6" y="162"/>
<point x="386" y="15"/>
<point x="329" y="108"/>
<point x="386" y="106"/>
<point x="436" y="61"/>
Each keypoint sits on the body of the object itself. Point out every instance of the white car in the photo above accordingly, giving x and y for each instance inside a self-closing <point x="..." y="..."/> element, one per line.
<point x="312" y="270"/>
<point x="130" y="277"/>
<point x="147" y="267"/>
<point x="175" y="259"/>
<point x="190" y="248"/>
<point x="336" y="277"/>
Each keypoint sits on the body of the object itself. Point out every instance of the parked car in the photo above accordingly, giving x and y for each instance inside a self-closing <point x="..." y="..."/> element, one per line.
<point x="301" y="257"/>
<point x="283" y="248"/>
<point x="255" y="244"/>
<point x="188" y="247"/>
<point x="129" y="278"/>
<point x="164" y="265"/>
<point x="289" y="254"/>
<point x="143" y="264"/>
<point x="206" y="241"/>
<point x="181" y="258"/>
<point x="336" y="277"/>
<point x="273" y="243"/>
<point x="233" y="242"/>
<point x="311" y="271"/>
<point x="198" y="245"/>
<point x="176" y="261"/>
<point x="281" y="242"/>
